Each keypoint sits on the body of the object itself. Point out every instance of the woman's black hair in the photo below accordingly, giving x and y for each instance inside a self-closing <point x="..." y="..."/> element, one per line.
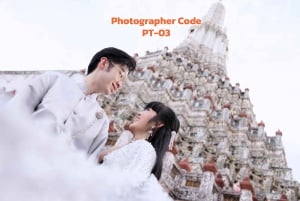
<point x="161" y="136"/>
<point x="114" y="55"/>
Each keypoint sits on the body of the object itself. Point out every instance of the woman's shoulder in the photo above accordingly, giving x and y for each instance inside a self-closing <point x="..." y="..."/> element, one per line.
<point x="143" y="145"/>
<point x="142" y="142"/>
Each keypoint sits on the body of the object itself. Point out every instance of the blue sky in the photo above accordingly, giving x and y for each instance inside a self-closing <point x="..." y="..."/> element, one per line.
<point x="263" y="45"/>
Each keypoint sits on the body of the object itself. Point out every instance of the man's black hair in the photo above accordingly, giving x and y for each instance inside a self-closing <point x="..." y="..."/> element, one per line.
<point x="115" y="56"/>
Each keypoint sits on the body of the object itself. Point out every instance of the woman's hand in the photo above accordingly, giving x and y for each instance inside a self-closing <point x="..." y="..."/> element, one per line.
<point x="107" y="151"/>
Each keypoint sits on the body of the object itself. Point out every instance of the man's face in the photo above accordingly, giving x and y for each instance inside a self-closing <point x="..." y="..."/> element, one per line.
<point x="111" y="77"/>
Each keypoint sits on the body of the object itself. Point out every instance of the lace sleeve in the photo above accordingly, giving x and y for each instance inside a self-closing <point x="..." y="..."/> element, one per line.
<point x="137" y="158"/>
<point x="143" y="157"/>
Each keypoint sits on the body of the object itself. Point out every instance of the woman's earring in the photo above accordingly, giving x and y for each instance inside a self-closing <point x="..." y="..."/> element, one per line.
<point x="150" y="132"/>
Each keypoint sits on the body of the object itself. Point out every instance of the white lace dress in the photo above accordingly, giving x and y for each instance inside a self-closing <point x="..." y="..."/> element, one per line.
<point x="130" y="168"/>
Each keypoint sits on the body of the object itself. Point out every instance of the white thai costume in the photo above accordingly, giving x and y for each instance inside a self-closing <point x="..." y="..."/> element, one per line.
<point x="59" y="103"/>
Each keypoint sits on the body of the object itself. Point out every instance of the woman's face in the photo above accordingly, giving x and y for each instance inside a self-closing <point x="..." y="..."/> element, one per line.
<point x="141" y="120"/>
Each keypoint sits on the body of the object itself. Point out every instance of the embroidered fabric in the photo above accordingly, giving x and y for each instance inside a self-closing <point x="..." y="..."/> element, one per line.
<point x="131" y="166"/>
<point x="125" y="138"/>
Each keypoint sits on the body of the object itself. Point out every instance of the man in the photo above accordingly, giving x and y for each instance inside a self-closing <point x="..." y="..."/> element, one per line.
<point x="68" y="106"/>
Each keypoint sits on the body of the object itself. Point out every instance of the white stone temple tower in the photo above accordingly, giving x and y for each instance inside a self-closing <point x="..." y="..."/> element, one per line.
<point x="222" y="152"/>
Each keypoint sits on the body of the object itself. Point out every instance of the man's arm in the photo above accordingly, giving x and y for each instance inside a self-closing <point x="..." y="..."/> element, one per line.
<point x="28" y="97"/>
<point x="100" y="140"/>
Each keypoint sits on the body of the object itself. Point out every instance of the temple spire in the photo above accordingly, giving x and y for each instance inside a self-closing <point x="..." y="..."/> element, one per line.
<point x="215" y="15"/>
<point x="209" y="39"/>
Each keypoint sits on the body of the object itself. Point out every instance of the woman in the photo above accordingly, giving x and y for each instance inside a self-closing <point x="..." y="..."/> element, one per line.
<point x="137" y="163"/>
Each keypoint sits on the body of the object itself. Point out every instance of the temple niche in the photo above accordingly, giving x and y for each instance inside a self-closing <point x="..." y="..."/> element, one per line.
<point x="222" y="153"/>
